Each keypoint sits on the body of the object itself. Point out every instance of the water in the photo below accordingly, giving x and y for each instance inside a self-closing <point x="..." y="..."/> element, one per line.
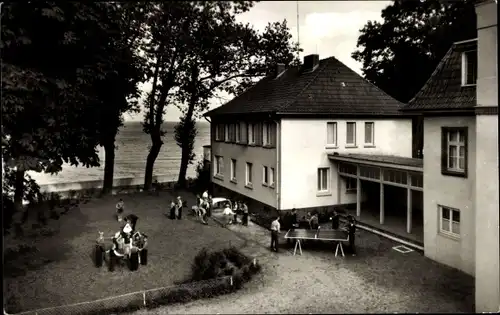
<point x="130" y="156"/>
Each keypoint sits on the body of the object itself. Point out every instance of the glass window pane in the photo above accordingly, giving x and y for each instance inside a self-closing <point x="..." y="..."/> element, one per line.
<point x="329" y="135"/>
<point x="368" y="132"/>
<point x="462" y="151"/>
<point x="461" y="163"/>
<point x="446" y="225"/>
<point x="325" y="179"/>
<point x="453" y="136"/>
<point x="319" y="179"/>
<point x="445" y="213"/>
<point x="462" y="136"/>
<point x="456" y="215"/>
<point x="455" y="227"/>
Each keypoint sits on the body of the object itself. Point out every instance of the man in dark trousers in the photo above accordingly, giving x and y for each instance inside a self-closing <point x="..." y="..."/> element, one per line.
<point x="351" y="229"/>
<point x="335" y="220"/>
<point x="244" y="208"/>
<point x="275" y="230"/>
<point x="179" y="205"/>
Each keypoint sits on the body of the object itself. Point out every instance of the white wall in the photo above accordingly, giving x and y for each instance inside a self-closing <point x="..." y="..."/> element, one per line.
<point x="303" y="145"/>
<point x="258" y="156"/>
<point x="487" y="77"/>
<point x="454" y="192"/>
<point x="486" y="190"/>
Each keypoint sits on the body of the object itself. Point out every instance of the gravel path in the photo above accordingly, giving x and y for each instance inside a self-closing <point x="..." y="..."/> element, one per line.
<point x="378" y="280"/>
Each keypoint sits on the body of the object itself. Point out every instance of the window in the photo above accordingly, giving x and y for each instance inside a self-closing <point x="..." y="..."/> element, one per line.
<point x="231" y="135"/>
<point x="271" y="177"/>
<point x="323" y="179"/>
<point x="351" y="134"/>
<point x="219" y="166"/>
<point x="469" y="67"/>
<point x="454" y="151"/>
<point x="219" y="132"/>
<point x="265" y="134"/>
<point x="248" y="174"/>
<point x="449" y="222"/>
<point x="331" y="134"/>
<point x="233" y="170"/>
<point x="265" y="176"/>
<point x="251" y="133"/>
<point x="226" y="133"/>
<point x="237" y="137"/>
<point x="269" y="134"/>
<point x="243" y="133"/>
<point x="369" y="134"/>
<point x="351" y="184"/>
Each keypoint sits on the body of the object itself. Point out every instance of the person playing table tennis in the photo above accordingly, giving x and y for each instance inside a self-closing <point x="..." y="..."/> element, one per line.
<point x="314" y="222"/>
<point x="275" y="230"/>
<point x="335" y="220"/>
<point x="351" y="230"/>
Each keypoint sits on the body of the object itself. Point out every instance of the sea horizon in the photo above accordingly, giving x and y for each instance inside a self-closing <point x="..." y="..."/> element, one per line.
<point x="130" y="156"/>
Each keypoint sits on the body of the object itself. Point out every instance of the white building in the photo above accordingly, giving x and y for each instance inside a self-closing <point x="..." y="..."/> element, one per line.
<point x="322" y="136"/>
<point x="460" y="108"/>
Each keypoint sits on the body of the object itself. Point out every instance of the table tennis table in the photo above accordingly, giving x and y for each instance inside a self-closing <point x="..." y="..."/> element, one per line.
<point x="299" y="235"/>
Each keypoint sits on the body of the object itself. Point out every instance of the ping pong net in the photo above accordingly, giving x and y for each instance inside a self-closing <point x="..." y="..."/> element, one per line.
<point x="324" y="235"/>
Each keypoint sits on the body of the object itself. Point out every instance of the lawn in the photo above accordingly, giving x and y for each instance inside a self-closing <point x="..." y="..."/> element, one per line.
<point x="67" y="274"/>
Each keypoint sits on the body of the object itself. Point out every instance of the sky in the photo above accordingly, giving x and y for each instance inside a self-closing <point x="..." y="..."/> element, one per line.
<point x="327" y="28"/>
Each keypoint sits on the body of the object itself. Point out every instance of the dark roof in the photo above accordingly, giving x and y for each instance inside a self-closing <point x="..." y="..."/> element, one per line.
<point x="444" y="90"/>
<point x="332" y="88"/>
<point x="388" y="159"/>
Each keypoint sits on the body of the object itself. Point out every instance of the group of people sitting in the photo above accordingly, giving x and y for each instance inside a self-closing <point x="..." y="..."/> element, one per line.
<point x="231" y="214"/>
<point x="203" y="207"/>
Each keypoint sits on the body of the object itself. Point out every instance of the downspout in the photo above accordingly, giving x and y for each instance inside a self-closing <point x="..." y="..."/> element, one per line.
<point x="278" y="165"/>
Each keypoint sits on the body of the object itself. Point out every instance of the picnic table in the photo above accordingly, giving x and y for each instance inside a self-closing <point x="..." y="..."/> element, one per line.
<point x="337" y="236"/>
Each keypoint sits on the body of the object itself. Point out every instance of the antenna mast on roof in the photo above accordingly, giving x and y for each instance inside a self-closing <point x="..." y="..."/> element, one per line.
<point x="298" y="31"/>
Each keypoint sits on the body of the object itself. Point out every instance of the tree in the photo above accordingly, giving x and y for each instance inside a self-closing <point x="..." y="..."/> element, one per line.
<point x="119" y="91"/>
<point x="400" y="54"/>
<point x="225" y="55"/>
<point x="53" y="57"/>
<point x="173" y="30"/>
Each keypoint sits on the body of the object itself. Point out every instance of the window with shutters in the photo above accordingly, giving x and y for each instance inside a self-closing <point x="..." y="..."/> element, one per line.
<point x="454" y="151"/>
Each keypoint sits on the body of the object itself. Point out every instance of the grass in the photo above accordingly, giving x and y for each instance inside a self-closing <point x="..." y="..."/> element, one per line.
<point x="66" y="274"/>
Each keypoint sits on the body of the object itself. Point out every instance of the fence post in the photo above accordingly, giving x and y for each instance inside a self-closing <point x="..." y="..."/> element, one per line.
<point x="231" y="280"/>
<point x="144" y="297"/>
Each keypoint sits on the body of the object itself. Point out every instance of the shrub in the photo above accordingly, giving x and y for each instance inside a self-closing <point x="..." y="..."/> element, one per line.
<point x="238" y="258"/>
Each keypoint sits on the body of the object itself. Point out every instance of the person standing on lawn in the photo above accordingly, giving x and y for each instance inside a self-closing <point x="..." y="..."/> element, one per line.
<point x="335" y="220"/>
<point x="235" y="211"/>
<point x="228" y="214"/>
<point x="179" y="207"/>
<point x="244" y="208"/>
<point x="120" y="208"/>
<point x="173" y="207"/>
<point x="351" y="230"/>
<point x="275" y="230"/>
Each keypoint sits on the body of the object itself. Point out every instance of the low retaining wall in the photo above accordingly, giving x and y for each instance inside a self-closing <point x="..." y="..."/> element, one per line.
<point x="132" y="301"/>
<point x="97" y="184"/>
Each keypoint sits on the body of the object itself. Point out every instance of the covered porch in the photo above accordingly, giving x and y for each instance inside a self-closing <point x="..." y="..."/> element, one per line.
<point x="389" y="192"/>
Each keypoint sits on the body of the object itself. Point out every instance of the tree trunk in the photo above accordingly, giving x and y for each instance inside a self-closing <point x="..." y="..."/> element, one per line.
<point x="152" y="155"/>
<point x="186" y="152"/>
<point x="181" y="181"/>
<point x="19" y="190"/>
<point x="109" y="166"/>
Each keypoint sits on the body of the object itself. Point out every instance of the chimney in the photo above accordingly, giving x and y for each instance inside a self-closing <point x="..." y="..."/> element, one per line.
<point x="279" y="69"/>
<point x="311" y="62"/>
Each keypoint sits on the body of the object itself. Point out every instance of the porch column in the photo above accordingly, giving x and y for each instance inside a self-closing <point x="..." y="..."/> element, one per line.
<point x="358" y="193"/>
<point x="408" y="210"/>
<point x="339" y="188"/>
<point x="382" y="210"/>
